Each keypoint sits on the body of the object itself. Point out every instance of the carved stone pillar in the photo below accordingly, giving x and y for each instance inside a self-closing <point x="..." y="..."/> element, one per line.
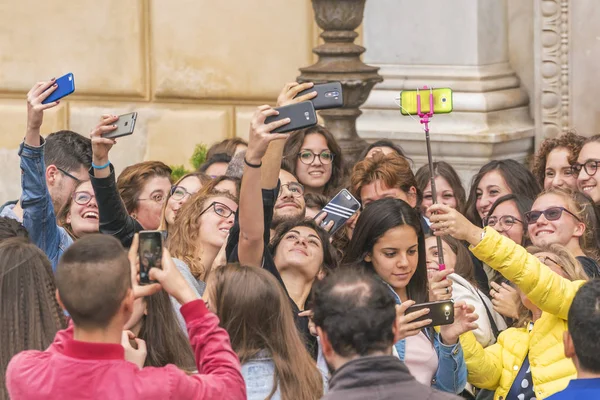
<point x="339" y="60"/>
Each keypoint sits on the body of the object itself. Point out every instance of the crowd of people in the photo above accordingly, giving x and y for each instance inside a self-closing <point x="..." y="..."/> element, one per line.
<point x="255" y="299"/>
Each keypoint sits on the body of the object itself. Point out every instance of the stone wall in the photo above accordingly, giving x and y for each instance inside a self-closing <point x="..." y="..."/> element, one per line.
<point x="193" y="70"/>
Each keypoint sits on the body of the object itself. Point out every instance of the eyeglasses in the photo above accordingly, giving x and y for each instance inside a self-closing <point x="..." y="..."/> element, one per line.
<point x="295" y="188"/>
<point x="551" y="214"/>
<point x="220" y="209"/>
<point x="82" y="198"/>
<point x="590" y="167"/>
<point x="543" y="259"/>
<point x="157" y="198"/>
<point x="179" y="193"/>
<point x="505" y="222"/>
<point x="307" y="157"/>
<point x="77" y="180"/>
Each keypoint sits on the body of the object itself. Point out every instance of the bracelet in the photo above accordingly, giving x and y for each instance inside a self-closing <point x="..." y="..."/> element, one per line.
<point x="252" y="165"/>
<point x="100" y="166"/>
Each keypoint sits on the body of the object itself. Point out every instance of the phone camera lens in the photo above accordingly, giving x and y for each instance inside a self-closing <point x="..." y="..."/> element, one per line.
<point x="126" y="123"/>
<point x="443" y="99"/>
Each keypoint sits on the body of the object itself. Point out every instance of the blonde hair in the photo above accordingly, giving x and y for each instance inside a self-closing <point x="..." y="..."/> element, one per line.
<point x="204" y="180"/>
<point x="184" y="237"/>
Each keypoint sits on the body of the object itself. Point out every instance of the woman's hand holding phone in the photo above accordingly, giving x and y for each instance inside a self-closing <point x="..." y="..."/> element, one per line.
<point x="101" y="146"/>
<point x="405" y="326"/>
<point x="260" y="133"/>
<point x="35" y="109"/>
<point x="290" y="90"/>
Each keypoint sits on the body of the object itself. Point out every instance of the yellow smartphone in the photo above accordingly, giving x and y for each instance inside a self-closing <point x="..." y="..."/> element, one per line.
<point x="442" y="101"/>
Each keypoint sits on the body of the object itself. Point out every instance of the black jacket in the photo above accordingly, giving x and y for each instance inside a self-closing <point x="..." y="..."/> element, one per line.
<point x="114" y="218"/>
<point x="379" y="378"/>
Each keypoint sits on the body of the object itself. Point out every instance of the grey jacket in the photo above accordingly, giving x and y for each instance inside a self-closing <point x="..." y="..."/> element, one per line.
<point x="379" y="378"/>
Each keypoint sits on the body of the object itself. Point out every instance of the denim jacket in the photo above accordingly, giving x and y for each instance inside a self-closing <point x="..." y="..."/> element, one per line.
<point x="451" y="375"/>
<point x="258" y="374"/>
<point x="38" y="211"/>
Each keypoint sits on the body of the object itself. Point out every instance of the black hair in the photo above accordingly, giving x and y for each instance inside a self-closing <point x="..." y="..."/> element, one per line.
<point x="384" y="143"/>
<point x="518" y="178"/>
<point x="523" y="204"/>
<point x="10" y="228"/>
<point x="584" y="323"/>
<point x="217" y="158"/>
<point x="68" y="150"/>
<point x="356" y="311"/>
<point x="377" y="218"/>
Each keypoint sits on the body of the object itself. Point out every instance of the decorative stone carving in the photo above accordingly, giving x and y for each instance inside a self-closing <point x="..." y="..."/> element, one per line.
<point x="552" y="64"/>
<point x="339" y="60"/>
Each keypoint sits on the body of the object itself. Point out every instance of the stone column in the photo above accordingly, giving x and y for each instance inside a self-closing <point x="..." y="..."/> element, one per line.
<point x="460" y="44"/>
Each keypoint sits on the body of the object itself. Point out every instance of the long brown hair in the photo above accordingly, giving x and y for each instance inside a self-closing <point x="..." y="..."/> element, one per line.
<point x="204" y="180"/>
<point x="164" y="338"/>
<point x="464" y="263"/>
<point x="294" y="144"/>
<point x="184" y="238"/>
<point x="227" y="146"/>
<point x="133" y="178"/>
<point x="240" y="296"/>
<point x="443" y="170"/>
<point x="29" y="311"/>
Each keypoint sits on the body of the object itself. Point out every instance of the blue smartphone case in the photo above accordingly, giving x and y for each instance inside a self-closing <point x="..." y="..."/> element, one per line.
<point x="66" y="86"/>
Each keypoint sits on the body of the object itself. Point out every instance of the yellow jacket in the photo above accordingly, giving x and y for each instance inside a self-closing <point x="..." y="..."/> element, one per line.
<point x="496" y="366"/>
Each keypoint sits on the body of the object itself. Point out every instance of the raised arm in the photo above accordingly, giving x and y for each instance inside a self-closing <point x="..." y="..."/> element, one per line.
<point x="114" y="219"/>
<point x="484" y="366"/>
<point x="547" y="290"/>
<point x="251" y="213"/>
<point x="38" y="211"/>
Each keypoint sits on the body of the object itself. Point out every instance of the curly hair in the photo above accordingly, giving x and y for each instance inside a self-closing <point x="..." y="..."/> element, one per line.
<point x="568" y="140"/>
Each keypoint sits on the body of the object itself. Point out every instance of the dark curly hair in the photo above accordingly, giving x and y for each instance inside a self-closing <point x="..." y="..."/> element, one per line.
<point x="568" y="140"/>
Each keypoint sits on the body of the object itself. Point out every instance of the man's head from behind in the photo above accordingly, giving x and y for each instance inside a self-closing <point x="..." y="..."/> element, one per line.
<point x="581" y="340"/>
<point x="67" y="156"/>
<point x="93" y="281"/>
<point x="355" y="316"/>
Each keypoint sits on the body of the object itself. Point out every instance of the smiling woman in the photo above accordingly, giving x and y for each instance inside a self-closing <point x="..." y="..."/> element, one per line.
<point x="80" y="214"/>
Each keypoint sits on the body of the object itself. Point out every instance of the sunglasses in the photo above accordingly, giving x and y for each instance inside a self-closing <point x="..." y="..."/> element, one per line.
<point x="551" y="214"/>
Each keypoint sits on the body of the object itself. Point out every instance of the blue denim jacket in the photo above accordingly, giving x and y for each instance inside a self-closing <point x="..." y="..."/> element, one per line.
<point x="38" y="211"/>
<point x="451" y="375"/>
<point x="258" y="374"/>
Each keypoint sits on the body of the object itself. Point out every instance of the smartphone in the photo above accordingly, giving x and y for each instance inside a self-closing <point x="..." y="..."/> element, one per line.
<point x="150" y="251"/>
<point x="442" y="101"/>
<point x="66" y="86"/>
<point x="329" y="95"/>
<point x="125" y="125"/>
<point x="302" y="115"/>
<point x="440" y="312"/>
<point x="339" y="210"/>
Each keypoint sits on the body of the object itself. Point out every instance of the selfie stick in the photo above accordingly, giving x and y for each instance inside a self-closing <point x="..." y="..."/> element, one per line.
<point x="425" y="121"/>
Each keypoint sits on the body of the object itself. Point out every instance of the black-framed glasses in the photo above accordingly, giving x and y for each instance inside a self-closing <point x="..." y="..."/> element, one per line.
<point x="295" y="188"/>
<point x="77" y="180"/>
<point x="307" y="157"/>
<point x="543" y="259"/>
<point x="590" y="167"/>
<point x="551" y="214"/>
<point x="504" y="222"/>
<point x="156" y="197"/>
<point x="220" y="209"/>
<point x="179" y="193"/>
<point x="82" y="198"/>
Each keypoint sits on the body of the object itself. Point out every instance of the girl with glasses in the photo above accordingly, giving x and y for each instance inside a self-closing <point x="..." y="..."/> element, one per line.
<point x="315" y="158"/>
<point x="526" y="362"/>
<point x="180" y="192"/>
<point x="586" y="168"/>
<point x="556" y="217"/>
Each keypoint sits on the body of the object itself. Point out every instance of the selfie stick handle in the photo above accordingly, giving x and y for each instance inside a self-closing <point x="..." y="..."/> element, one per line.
<point x="425" y="121"/>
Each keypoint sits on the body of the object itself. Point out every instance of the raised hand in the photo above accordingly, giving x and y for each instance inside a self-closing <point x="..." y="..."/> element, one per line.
<point x="405" y="322"/>
<point x="172" y="281"/>
<point x="448" y="221"/>
<point x="101" y="146"/>
<point x="286" y="97"/>
<point x="464" y="321"/>
<point x="134" y="262"/>
<point x="440" y="287"/>
<point x="505" y="299"/>
<point x="35" y="109"/>
<point x="136" y="355"/>
<point x="319" y="220"/>
<point x="260" y="133"/>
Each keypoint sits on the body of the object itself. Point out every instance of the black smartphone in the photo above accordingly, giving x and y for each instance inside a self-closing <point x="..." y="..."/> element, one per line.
<point x="150" y="251"/>
<point x="329" y="95"/>
<point x="302" y="115"/>
<point x="125" y="126"/>
<point x="440" y="312"/>
<point x="340" y="209"/>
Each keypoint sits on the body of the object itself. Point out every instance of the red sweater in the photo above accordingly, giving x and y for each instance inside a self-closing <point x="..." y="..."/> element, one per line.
<point x="71" y="369"/>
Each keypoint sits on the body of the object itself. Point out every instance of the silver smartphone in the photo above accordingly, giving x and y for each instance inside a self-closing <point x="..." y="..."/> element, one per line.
<point x="125" y="126"/>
